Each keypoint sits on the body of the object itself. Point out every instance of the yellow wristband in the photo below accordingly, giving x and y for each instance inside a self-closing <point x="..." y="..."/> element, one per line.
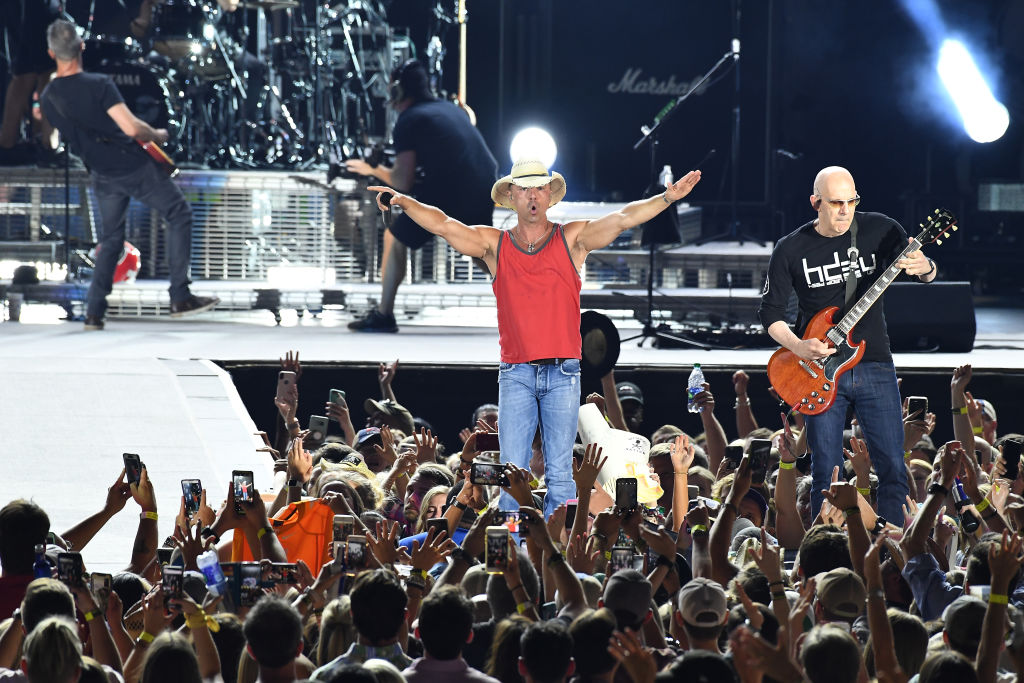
<point x="864" y="491"/>
<point x="962" y="410"/>
<point x="149" y="515"/>
<point x="698" y="527"/>
<point x="996" y="599"/>
<point x="263" y="532"/>
<point x="977" y="430"/>
<point x="607" y="554"/>
<point x="907" y="455"/>
<point x="146" y="637"/>
<point x="91" y="614"/>
<point x="983" y="505"/>
<point x="522" y="607"/>
<point x="783" y="465"/>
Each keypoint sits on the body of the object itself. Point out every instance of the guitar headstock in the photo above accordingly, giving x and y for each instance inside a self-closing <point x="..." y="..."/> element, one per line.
<point x="940" y="223"/>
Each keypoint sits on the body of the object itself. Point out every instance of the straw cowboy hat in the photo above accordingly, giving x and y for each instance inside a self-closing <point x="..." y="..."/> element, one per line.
<point x="528" y="173"/>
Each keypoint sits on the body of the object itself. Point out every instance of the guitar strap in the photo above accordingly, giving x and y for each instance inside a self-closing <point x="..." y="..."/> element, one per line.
<point x="851" y="274"/>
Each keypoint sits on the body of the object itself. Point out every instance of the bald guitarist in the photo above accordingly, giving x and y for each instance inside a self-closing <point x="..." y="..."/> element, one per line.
<point x="92" y="117"/>
<point x="814" y="261"/>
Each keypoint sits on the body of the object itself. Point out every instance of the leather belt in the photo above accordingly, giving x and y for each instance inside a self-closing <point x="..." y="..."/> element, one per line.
<point x="546" y="361"/>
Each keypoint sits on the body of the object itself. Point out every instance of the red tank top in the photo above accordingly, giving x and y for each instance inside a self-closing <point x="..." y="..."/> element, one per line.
<point x="538" y="299"/>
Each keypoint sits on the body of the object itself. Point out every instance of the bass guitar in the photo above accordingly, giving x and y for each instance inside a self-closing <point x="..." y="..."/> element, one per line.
<point x="809" y="386"/>
<point x="165" y="163"/>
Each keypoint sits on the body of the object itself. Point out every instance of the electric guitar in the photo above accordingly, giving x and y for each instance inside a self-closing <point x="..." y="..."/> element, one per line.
<point x="809" y="386"/>
<point x="165" y="163"/>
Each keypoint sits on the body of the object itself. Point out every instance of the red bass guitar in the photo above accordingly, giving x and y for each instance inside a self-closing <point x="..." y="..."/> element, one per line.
<point x="809" y="386"/>
<point x="160" y="157"/>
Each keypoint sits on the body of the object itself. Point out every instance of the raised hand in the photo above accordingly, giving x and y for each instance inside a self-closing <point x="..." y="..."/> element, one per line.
<point x="754" y="616"/>
<point x="961" y="378"/>
<point x="300" y="462"/>
<point x="767" y="559"/>
<point x="909" y="511"/>
<point x="705" y="400"/>
<point x="598" y="400"/>
<point x="291" y="363"/>
<point x="741" y="484"/>
<point x="556" y="522"/>
<point x="386" y="375"/>
<point x="426" y="446"/>
<point x="740" y="380"/>
<point x="859" y="458"/>
<point x="682" y="187"/>
<point x="586" y="474"/>
<point x="786" y="442"/>
<point x="949" y="463"/>
<point x="578" y="558"/>
<point x="1004" y="559"/>
<point x="873" y="565"/>
<point x="143" y="492"/>
<point x="117" y="495"/>
<point x="699" y="514"/>
<point x="384" y="544"/>
<point x="842" y="495"/>
<point x="659" y="541"/>
<point x="386" y="450"/>
<point x="682" y="454"/>
<point x="629" y="651"/>
<point x="519" y="484"/>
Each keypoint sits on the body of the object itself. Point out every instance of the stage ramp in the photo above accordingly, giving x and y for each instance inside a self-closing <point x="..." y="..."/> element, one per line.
<point x="66" y="422"/>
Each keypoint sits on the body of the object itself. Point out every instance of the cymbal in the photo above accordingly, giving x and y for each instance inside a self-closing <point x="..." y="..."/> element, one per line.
<point x="268" y="4"/>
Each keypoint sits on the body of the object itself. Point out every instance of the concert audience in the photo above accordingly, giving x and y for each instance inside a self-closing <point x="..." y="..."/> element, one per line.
<point x="734" y="580"/>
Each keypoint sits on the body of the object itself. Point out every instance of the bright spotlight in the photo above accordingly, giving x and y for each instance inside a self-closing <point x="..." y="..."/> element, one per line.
<point x="534" y="143"/>
<point x="985" y="118"/>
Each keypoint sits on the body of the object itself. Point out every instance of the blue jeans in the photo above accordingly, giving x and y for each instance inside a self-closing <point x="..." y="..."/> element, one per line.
<point x="152" y="187"/>
<point x="549" y="394"/>
<point x="872" y="391"/>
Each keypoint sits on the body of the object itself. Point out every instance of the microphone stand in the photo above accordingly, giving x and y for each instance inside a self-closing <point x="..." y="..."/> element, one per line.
<point x="650" y="136"/>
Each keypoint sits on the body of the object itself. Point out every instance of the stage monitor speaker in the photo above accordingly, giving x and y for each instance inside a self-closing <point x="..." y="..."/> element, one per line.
<point x="938" y="316"/>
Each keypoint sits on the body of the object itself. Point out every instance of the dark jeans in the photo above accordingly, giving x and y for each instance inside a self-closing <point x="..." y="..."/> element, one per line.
<point x="152" y="187"/>
<point x="872" y="391"/>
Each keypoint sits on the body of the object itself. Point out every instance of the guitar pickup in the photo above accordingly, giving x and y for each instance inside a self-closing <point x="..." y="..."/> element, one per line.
<point x="808" y="370"/>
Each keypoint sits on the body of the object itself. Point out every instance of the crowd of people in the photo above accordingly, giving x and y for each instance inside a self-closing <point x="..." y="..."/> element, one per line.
<point x="731" y="575"/>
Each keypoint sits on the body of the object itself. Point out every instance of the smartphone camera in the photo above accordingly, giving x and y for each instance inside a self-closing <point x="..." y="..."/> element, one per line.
<point x="173" y="582"/>
<point x="355" y="555"/>
<point x="918" y="405"/>
<point x="488" y="474"/>
<point x="69" y="569"/>
<point x="496" y="549"/>
<point x="243" y="487"/>
<point x="192" y="490"/>
<point x="621" y="558"/>
<point x="132" y="467"/>
<point x="625" y="494"/>
<point x="249" y="579"/>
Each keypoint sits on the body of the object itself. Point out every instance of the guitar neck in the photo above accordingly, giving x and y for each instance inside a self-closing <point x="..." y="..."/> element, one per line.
<point x="462" y="51"/>
<point x="854" y="315"/>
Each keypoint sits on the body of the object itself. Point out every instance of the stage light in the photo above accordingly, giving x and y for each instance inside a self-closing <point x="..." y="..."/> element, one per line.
<point x="984" y="117"/>
<point x="209" y="32"/>
<point x="534" y="143"/>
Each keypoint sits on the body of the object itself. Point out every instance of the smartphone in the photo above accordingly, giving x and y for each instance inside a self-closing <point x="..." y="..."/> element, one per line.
<point x="496" y="549"/>
<point x="438" y="524"/>
<point x="488" y="474"/>
<point x="981" y="592"/>
<point x="621" y="558"/>
<point x="487" y="442"/>
<point x="919" y="405"/>
<point x="101" y="585"/>
<point x="132" y="467"/>
<point x="243" y="486"/>
<point x="570" y="512"/>
<point x="285" y="381"/>
<point x="510" y="520"/>
<point x="638" y="562"/>
<point x="734" y="454"/>
<point x="286" y="573"/>
<point x="249" y="579"/>
<point x="692" y="491"/>
<point x="338" y="553"/>
<point x="317" y="427"/>
<point x="69" y="568"/>
<point x="343" y="527"/>
<point x="710" y="503"/>
<point x="192" y="489"/>
<point x="355" y="555"/>
<point x="1011" y="458"/>
<point x="163" y="555"/>
<point x="760" y="453"/>
<point x="337" y="396"/>
<point x="173" y="582"/>
<point x="625" y="494"/>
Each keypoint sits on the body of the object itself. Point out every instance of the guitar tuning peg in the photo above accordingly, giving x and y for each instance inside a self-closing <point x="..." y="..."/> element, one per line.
<point x="955" y="228"/>
<point x="938" y="242"/>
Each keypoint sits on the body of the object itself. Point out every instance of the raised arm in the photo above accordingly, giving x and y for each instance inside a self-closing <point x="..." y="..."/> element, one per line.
<point x="715" y="440"/>
<point x="586" y="236"/>
<point x="479" y="241"/>
<point x="745" y="422"/>
<point x="117" y="495"/>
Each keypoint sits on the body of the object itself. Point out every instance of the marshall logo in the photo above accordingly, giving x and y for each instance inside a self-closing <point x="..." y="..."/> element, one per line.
<point x="632" y="83"/>
<point x="126" y="79"/>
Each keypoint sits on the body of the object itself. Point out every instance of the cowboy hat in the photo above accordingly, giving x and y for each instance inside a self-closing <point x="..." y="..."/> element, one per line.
<point x="528" y="173"/>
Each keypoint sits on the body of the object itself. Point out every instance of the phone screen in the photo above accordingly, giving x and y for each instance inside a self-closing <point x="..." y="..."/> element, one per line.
<point x="284" y="572"/>
<point x="343" y="526"/>
<point x="625" y="493"/>
<point x="487" y="442"/>
<point x="622" y="558"/>
<point x="760" y="452"/>
<point x="249" y="575"/>
<point x="734" y="454"/>
<point x="101" y="585"/>
<point x="570" y="512"/>
<point x="919" y="405"/>
<point x="496" y="549"/>
<point x="132" y="467"/>
<point x="510" y="520"/>
<point x="173" y="579"/>
<point x="163" y="554"/>
<point x="243" y="487"/>
<point x="192" y="489"/>
<point x="439" y="524"/>
<point x="488" y="474"/>
<point x="1011" y="458"/>
<point x="355" y="554"/>
<point x="69" y="568"/>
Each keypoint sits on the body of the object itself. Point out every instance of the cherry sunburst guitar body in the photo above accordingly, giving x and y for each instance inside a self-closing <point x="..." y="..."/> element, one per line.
<point x="165" y="163"/>
<point x="809" y="386"/>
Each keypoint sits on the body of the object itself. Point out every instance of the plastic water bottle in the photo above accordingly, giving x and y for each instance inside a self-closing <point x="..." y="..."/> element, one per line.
<point x="209" y="564"/>
<point x="694" y="385"/>
<point x="666" y="178"/>
<point x="41" y="569"/>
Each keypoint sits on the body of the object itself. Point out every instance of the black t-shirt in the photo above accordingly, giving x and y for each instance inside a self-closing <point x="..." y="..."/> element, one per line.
<point x="77" y="105"/>
<point x="454" y="168"/>
<point x="814" y="266"/>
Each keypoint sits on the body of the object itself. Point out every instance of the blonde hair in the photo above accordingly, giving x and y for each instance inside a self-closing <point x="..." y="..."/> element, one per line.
<point x="53" y="651"/>
<point x="385" y="671"/>
<point x="337" y="632"/>
<point x="440" y="490"/>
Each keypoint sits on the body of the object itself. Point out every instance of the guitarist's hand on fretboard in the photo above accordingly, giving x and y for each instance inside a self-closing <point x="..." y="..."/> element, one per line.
<point x="915" y="262"/>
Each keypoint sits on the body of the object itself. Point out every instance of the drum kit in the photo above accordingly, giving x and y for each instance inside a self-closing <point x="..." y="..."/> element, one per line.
<point x="310" y="85"/>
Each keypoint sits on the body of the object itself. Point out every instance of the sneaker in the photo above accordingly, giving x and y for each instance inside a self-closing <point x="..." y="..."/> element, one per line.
<point x="375" y="321"/>
<point x="93" y="323"/>
<point x="192" y="305"/>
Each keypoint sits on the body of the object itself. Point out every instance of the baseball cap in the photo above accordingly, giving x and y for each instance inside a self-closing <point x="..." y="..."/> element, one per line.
<point x="842" y="593"/>
<point x="702" y="602"/>
<point x="364" y="435"/>
<point x="628" y="391"/>
<point x="987" y="409"/>
<point x="963" y="619"/>
<point x="756" y="496"/>
<point x="395" y="414"/>
<point x="628" y="595"/>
